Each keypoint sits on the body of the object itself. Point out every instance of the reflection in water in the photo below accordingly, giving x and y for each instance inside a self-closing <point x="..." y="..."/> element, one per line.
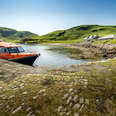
<point x="51" y="58"/>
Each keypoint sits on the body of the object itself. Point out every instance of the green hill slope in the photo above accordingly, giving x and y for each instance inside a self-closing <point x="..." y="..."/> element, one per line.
<point x="77" y="33"/>
<point x="8" y="34"/>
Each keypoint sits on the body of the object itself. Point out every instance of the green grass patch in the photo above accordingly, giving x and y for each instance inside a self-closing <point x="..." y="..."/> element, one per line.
<point x="66" y="50"/>
<point x="113" y="41"/>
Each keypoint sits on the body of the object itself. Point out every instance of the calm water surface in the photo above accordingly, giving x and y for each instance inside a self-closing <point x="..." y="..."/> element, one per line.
<point x="51" y="58"/>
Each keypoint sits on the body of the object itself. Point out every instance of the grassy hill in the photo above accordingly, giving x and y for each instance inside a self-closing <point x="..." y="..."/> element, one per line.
<point x="8" y="34"/>
<point x="76" y="34"/>
<point x="72" y="35"/>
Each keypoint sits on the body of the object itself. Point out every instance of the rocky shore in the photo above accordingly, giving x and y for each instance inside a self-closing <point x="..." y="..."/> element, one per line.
<point x="87" y="89"/>
<point x="102" y="50"/>
<point x="10" y="70"/>
<point x="91" y="50"/>
<point x="77" y="90"/>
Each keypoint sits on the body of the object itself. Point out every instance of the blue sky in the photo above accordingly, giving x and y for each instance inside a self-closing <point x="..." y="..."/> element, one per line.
<point x="44" y="16"/>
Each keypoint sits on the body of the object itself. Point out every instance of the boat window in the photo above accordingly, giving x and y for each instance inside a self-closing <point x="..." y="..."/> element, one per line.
<point x="20" y="49"/>
<point x="3" y="50"/>
<point x="13" y="50"/>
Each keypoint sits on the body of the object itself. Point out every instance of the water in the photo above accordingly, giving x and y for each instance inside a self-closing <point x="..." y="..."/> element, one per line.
<point x="51" y="58"/>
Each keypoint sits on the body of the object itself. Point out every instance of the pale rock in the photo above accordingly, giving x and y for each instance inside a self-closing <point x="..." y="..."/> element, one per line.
<point x="42" y="91"/>
<point x="87" y="101"/>
<point x="81" y="100"/>
<point x="29" y="114"/>
<point x="68" y="113"/>
<point x="70" y="90"/>
<point x="76" y="106"/>
<point x="1" y="87"/>
<point x="71" y="104"/>
<point x="75" y="98"/>
<point x="65" y="96"/>
<point x="69" y="99"/>
<point x="76" y="114"/>
<point x="35" y="97"/>
<point x="28" y="109"/>
<point x="12" y="96"/>
<point x="32" y="115"/>
<point x="81" y="107"/>
<point x="72" y="93"/>
<point x="22" y="84"/>
<point x="24" y="93"/>
<point x="16" y="110"/>
<point x="60" y="108"/>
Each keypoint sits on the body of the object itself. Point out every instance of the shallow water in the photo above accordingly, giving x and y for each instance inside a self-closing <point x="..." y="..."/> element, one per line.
<point x="51" y="58"/>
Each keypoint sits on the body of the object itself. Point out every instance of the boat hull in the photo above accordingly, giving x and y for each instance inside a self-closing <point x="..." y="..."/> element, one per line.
<point x="29" y="60"/>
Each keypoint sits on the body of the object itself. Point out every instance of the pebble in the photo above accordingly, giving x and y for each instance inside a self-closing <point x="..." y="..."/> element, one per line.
<point x="69" y="99"/>
<point x="29" y="114"/>
<point x="81" y="100"/>
<point x="71" y="104"/>
<point x="76" y="106"/>
<point x="22" y="84"/>
<point x="66" y="96"/>
<point x="60" y="108"/>
<point x="1" y="87"/>
<point x="10" y="97"/>
<point x="76" y="114"/>
<point x="29" y="108"/>
<point x="68" y="113"/>
<point x="42" y="91"/>
<point x="75" y="98"/>
<point x="87" y="101"/>
<point x="16" y="110"/>
<point x="35" y="97"/>
<point x="70" y="90"/>
<point x="24" y="93"/>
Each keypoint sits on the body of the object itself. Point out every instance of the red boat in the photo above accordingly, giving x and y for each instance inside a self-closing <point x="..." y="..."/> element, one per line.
<point x="16" y="53"/>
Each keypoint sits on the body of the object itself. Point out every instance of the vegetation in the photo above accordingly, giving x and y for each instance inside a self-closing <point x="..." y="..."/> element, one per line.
<point x="113" y="41"/>
<point x="87" y="91"/>
<point x="12" y="35"/>
<point x="76" y="34"/>
<point x="72" y="35"/>
<point x="66" y="50"/>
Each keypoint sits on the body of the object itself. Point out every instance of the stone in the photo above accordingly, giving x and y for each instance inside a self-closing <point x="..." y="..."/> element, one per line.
<point x="76" y="106"/>
<point x="17" y="109"/>
<point x="60" y="108"/>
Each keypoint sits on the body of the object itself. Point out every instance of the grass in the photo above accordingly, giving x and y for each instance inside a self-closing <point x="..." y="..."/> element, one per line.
<point x="76" y="34"/>
<point x="72" y="35"/>
<point x="66" y="50"/>
<point x="113" y="41"/>
<point x="11" y="35"/>
<point x="67" y="93"/>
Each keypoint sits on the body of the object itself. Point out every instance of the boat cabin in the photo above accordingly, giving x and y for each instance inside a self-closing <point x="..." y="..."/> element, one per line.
<point x="16" y="53"/>
<point x="10" y="48"/>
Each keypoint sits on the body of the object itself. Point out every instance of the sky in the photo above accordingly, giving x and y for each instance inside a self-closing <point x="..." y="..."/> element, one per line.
<point x="45" y="16"/>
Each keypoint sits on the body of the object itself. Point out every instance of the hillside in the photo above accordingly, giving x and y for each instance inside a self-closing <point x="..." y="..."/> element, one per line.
<point x="8" y="34"/>
<point x="72" y="35"/>
<point x="76" y="34"/>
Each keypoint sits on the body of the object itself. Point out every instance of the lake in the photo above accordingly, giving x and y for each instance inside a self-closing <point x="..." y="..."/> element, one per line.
<point x="51" y="58"/>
